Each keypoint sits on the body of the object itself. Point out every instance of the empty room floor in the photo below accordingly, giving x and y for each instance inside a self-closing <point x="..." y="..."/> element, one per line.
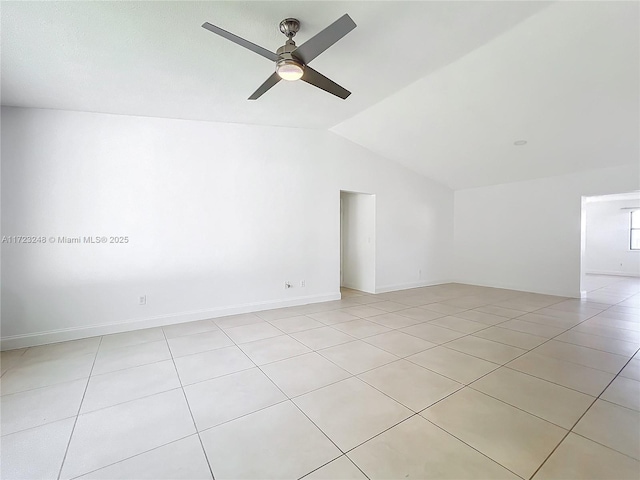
<point x="449" y="381"/>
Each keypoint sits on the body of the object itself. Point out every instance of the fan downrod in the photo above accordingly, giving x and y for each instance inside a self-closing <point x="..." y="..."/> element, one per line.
<point x="290" y="26"/>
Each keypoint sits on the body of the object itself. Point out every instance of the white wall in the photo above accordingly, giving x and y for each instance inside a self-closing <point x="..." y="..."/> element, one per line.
<point x="217" y="216"/>
<point x="358" y="241"/>
<point x="526" y="235"/>
<point x="607" y="239"/>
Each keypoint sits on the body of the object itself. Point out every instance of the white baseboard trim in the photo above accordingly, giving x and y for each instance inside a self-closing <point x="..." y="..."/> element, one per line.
<point x="555" y="293"/>
<point x="354" y="287"/>
<point x="76" y="333"/>
<point x="407" y="286"/>
<point x="613" y="274"/>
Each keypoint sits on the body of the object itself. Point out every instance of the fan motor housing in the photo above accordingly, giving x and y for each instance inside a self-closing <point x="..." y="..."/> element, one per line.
<point x="288" y="59"/>
<point x="287" y="48"/>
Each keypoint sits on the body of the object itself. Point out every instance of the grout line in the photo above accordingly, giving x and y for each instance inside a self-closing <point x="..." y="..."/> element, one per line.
<point x="327" y="463"/>
<point x="522" y="409"/>
<point x="356" y="465"/>
<point x="395" y="359"/>
<point x="131" y="400"/>
<point x="459" y="381"/>
<point x="504" y="365"/>
<point x="581" y="416"/>
<point x="288" y="399"/>
<point x="4" y="435"/>
<point x="413" y="412"/>
<point x="43" y="386"/>
<point x="184" y="394"/>
<point x="281" y="359"/>
<point x="284" y="400"/>
<point x="73" y="429"/>
<point x="603" y="445"/>
<point x="562" y="360"/>
<point x="631" y="409"/>
<point x="581" y="364"/>
<point x="599" y="336"/>
<point x="132" y="456"/>
<point x="406" y="406"/>
<point x="552" y="382"/>
<point x="2" y="374"/>
<point x="395" y="299"/>
<point x="472" y="447"/>
<point x="472" y="334"/>
<point x="333" y="383"/>
<point x="418" y="414"/>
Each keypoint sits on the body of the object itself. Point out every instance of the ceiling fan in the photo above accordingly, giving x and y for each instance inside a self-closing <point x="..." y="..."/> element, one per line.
<point x="292" y="62"/>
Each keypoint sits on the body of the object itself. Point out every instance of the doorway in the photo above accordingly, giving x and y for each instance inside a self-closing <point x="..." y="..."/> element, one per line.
<point x="610" y="247"/>
<point x="358" y="241"/>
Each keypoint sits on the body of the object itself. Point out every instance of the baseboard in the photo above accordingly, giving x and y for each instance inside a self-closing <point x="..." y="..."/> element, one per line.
<point x="613" y="274"/>
<point x="517" y="288"/>
<point x="76" y="333"/>
<point x="354" y="287"/>
<point x="406" y="286"/>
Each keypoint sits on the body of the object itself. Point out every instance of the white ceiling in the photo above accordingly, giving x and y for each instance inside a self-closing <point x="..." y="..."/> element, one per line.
<point x="154" y="59"/>
<point x="616" y="197"/>
<point x="566" y="80"/>
<point x="444" y="88"/>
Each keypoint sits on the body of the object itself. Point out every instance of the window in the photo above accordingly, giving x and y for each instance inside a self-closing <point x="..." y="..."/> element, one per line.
<point x="635" y="230"/>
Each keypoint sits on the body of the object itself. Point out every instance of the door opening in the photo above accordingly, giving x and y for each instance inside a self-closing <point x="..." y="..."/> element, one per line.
<point x="358" y="241"/>
<point x="610" y="245"/>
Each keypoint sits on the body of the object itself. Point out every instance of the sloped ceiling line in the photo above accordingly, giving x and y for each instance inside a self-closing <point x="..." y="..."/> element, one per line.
<point x="446" y="95"/>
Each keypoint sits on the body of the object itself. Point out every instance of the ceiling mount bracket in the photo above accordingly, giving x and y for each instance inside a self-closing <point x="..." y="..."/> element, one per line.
<point x="290" y="26"/>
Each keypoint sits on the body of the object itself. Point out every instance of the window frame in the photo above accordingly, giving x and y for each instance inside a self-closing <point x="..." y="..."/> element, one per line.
<point x="632" y="229"/>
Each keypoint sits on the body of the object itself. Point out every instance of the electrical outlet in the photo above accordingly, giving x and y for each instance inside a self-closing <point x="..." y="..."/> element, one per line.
<point x="142" y="300"/>
<point x="302" y="283"/>
<point x="287" y="285"/>
<point x="419" y="273"/>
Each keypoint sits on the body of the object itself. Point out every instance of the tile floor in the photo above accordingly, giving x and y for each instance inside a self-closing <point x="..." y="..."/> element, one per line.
<point x="450" y="381"/>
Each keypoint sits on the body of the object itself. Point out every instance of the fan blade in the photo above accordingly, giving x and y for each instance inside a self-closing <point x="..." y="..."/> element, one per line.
<point x="318" y="80"/>
<point x="242" y="42"/>
<point x="323" y="40"/>
<point x="269" y="82"/>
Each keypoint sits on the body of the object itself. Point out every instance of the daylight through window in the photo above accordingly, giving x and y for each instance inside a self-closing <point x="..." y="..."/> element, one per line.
<point x="635" y="230"/>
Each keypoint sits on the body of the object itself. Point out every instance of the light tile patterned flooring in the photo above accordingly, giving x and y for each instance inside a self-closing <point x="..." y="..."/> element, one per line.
<point x="450" y="381"/>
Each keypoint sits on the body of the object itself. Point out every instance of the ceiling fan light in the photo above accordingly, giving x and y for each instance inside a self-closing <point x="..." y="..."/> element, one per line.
<point x="289" y="70"/>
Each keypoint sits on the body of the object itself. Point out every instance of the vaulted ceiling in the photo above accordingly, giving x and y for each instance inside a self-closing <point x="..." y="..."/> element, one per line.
<point x="444" y="88"/>
<point x="565" y="80"/>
